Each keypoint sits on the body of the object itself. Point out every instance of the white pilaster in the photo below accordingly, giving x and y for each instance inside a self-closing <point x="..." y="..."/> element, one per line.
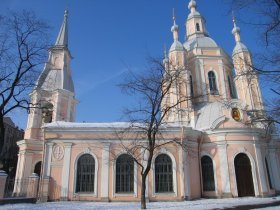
<point x="203" y="80"/>
<point x="105" y="172"/>
<point x="181" y="171"/>
<point x="48" y="159"/>
<point x="222" y="80"/>
<point x="260" y="168"/>
<point x="66" y="170"/>
<point x="224" y="170"/>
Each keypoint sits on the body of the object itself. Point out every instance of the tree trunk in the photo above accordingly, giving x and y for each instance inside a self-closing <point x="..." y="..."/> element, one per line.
<point x="143" y="192"/>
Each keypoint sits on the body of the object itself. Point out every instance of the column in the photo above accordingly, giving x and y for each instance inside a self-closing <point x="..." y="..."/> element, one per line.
<point x="105" y="172"/>
<point x="65" y="171"/>
<point x="224" y="170"/>
<point x="261" y="172"/>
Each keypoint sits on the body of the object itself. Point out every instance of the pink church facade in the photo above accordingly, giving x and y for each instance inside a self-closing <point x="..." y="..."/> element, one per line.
<point x="227" y="156"/>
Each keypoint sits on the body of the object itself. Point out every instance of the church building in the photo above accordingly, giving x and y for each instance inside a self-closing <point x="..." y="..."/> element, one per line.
<point x="231" y="155"/>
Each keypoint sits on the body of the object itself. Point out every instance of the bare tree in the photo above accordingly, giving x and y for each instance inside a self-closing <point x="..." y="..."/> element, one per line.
<point x="264" y="17"/>
<point x="23" y="47"/>
<point x="149" y="117"/>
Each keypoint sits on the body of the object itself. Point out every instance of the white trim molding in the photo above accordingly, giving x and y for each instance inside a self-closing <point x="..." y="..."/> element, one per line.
<point x="66" y="170"/>
<point x="75" y="194"/>
<point x="135" y="189"/>
<point x="203" y="153"/>
<point x="224" y="168"/>
<point x="174" y="173"/>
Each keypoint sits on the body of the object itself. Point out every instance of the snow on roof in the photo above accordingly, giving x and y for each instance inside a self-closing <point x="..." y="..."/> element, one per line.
<point x="60" y="124"/>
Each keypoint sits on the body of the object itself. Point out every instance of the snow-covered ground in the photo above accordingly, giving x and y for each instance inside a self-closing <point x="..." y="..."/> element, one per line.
<point x="193" y="205"/>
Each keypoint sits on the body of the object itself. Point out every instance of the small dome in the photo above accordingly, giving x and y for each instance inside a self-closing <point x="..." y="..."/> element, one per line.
<point x="192" y="4"/>
<point x="235" y="30"/>
<point x="174" y="28"/>
<point x="239" y="47"/>
<point x="176" y="46"/>
<point x="203" y="42"/>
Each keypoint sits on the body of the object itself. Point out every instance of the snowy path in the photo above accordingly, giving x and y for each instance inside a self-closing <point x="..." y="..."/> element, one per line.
<point x="193" y="205"/>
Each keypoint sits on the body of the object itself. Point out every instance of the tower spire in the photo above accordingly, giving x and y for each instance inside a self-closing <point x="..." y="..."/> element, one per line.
<point x="192" y="6"/>
<point x="62" y="39"/>
<point x="175" y="27"/>
<point x="235" y="30"/>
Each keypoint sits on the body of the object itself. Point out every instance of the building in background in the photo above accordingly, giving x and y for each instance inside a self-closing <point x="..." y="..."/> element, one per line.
<point x="10" y="149"/>
<point x="232" y="156"/>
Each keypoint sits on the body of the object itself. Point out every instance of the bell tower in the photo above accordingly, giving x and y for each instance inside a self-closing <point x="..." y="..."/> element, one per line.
<point x="178" y="98"/>
<point x="53" y="95"/>
<point x="246" y="81"/>
<point x="195" y="23"/>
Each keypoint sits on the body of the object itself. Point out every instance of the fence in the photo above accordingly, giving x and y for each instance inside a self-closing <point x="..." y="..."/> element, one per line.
<point x="18" y="188"/>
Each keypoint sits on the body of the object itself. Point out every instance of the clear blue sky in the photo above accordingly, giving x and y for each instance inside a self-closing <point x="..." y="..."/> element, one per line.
<point x="107" y="35"/>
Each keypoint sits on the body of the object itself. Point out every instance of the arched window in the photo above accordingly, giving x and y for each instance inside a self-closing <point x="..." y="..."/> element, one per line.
<point x="197" y="27"/>
<point x="163" y="174"/>
<point x="37" y="168"/>
<point x="191" y="84"/>
<point x="85" y="174"/>
<point x="207" y="174"/>
<point x="268" y="174"/>
<point x="231" y="89"/>
<point x="212" y="83"/>
<point x="47" y="112"/>
<point x="124" y="174"/>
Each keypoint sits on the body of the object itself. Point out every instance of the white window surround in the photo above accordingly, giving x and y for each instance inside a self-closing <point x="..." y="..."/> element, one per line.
<point x="174" y="174"/>
<point x="254" y="174"/>
<point x="114" y="178"/>
<point x="95" y="174"/>
<point x="214" y="169"/>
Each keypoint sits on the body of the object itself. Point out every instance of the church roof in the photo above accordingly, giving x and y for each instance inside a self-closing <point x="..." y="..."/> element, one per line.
<point x="239" y="47"/>
<point x="62" y="39"/>
<point x="203" y="42"/>
<point x="208" y="115"/>
<point x="108" y="125"/>
<point x="176" y="46"/>
<point x="53" y="79"/>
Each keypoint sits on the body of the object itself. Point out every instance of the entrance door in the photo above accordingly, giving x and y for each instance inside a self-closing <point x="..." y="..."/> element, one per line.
<point x="244" y="178"/>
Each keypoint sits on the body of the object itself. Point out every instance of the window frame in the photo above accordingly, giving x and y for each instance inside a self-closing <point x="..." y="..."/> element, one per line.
<point x="123" y="174"/>
<point x="213" y="84"/>
<point x="95" y="177"/>
<point x="114" y="179"/>
<point x="213" y="181"/>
